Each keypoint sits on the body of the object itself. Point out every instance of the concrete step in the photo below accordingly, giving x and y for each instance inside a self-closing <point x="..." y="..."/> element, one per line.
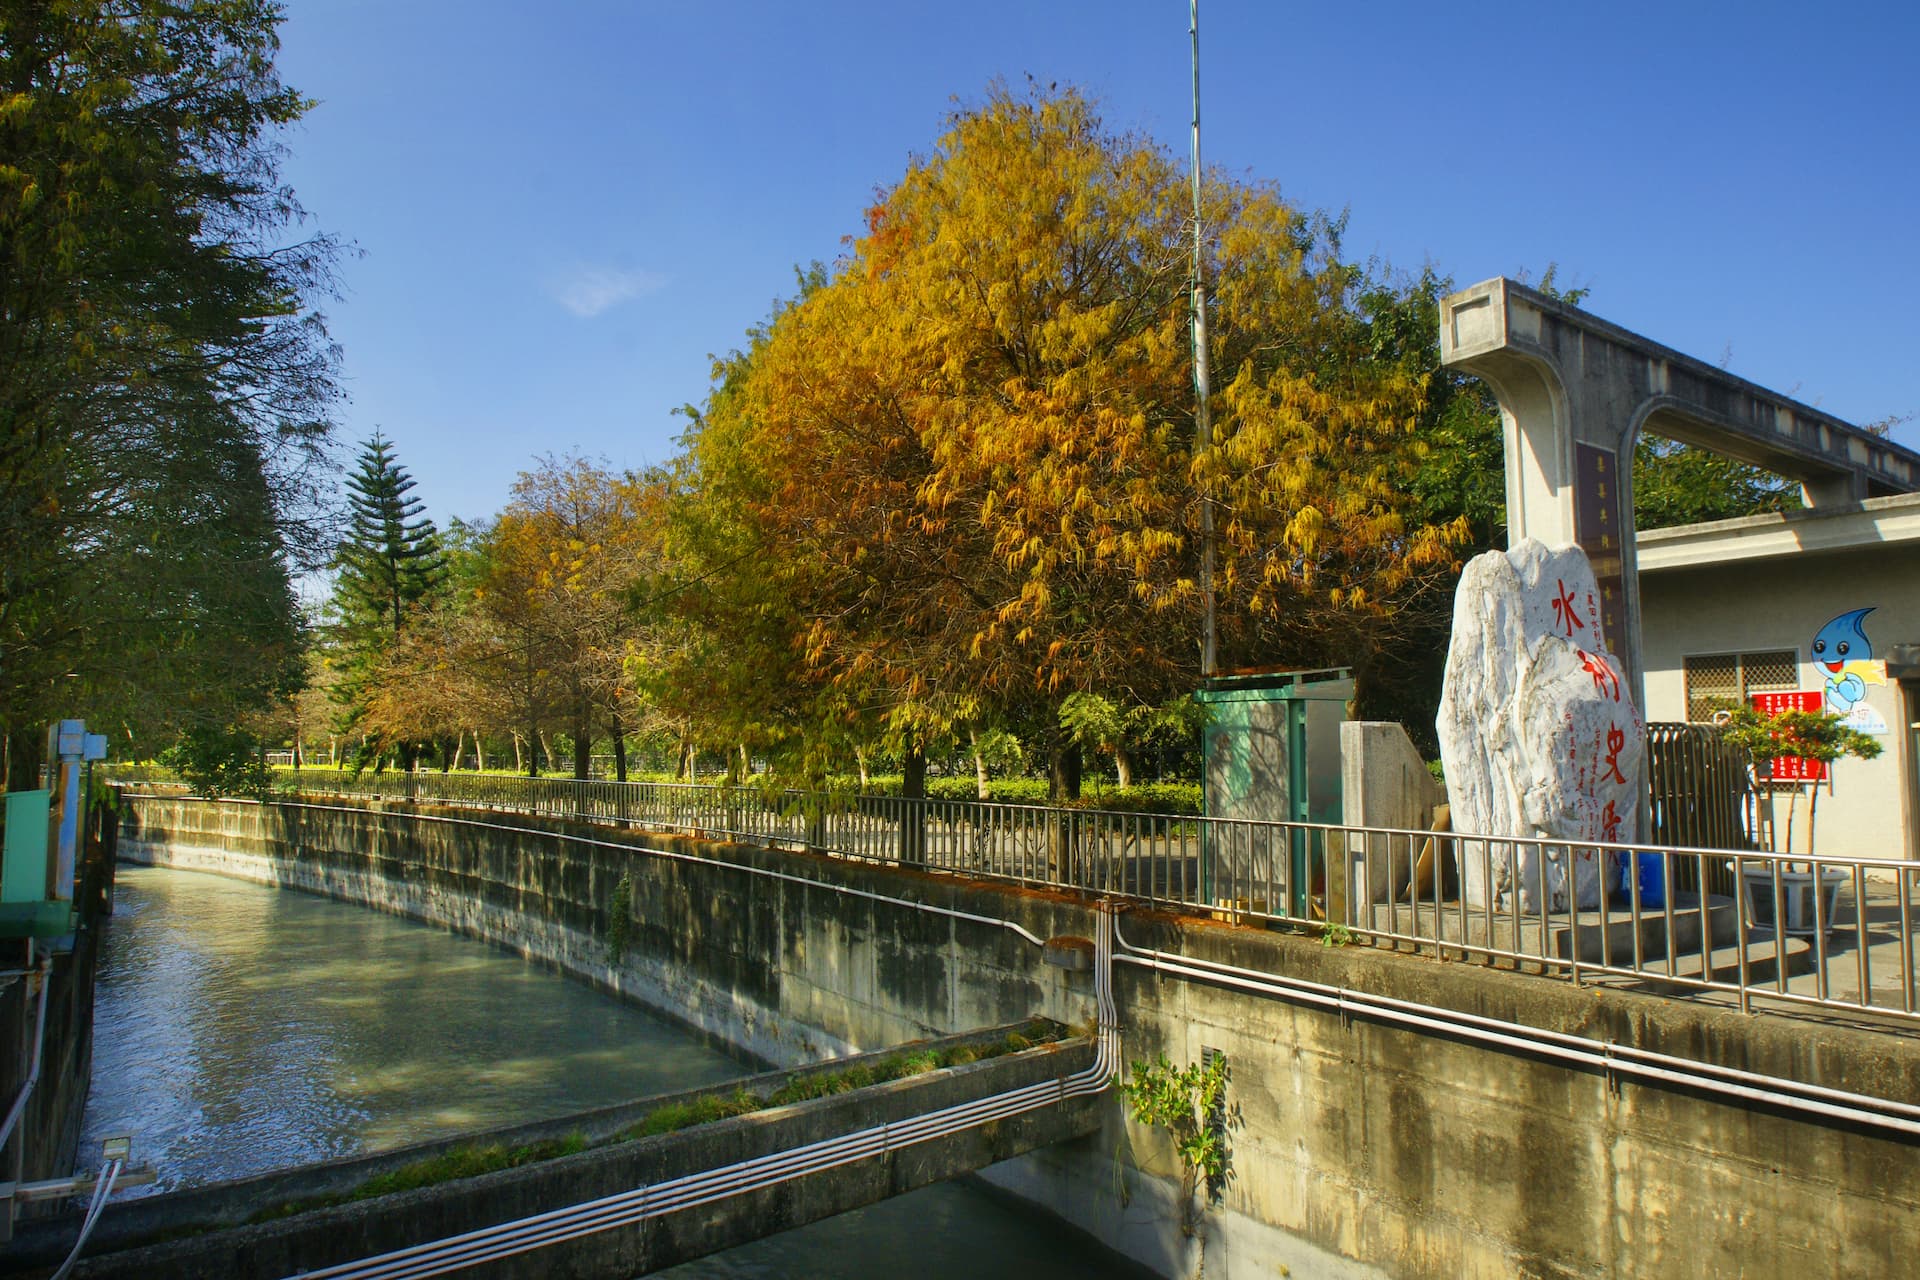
<point x="1595" y="936"/>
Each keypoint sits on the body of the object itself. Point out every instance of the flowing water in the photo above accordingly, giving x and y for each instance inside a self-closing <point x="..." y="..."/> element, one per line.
<point x="240" y="1029"/>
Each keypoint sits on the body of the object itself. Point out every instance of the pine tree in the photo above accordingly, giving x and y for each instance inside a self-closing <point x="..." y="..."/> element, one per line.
<point x="388" y="568"/>
<point x="391" y="558"/>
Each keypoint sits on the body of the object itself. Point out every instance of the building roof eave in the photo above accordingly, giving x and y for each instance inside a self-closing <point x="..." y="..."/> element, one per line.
<point x="1875" y="522"/>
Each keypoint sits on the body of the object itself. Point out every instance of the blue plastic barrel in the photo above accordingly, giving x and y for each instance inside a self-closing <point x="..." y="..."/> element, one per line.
<point x="1653" y="880"/>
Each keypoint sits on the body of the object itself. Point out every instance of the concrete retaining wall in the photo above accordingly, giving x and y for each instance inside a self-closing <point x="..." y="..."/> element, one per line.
<point x="1357" y="1149"/>
<point x="785" y="970"/>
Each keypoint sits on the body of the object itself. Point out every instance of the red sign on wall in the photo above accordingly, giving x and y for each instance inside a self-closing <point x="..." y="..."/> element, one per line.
<point x="1792" y="768"/>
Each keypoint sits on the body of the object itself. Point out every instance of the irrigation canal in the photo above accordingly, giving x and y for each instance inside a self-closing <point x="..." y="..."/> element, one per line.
<point x="241" y="1029"/>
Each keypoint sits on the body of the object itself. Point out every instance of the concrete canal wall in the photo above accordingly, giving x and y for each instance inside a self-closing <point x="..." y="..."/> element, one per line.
<point x="759" y="949"/>
<point x="1357" y="1147"/>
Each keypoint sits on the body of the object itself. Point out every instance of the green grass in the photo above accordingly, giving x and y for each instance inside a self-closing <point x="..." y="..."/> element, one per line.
<point x="684" y="1115"/>
<point x="1180" y="798"/>
<point x="448" y="1166"/>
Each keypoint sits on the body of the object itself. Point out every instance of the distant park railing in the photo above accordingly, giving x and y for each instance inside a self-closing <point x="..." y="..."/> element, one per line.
<point x="1792" y="929"/>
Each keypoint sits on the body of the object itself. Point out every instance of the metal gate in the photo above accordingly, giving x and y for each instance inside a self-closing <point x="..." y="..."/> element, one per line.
<point x="1697" y="791"/>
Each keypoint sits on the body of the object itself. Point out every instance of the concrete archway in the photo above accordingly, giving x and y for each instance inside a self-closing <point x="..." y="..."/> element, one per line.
<point x="1575" y="392"/>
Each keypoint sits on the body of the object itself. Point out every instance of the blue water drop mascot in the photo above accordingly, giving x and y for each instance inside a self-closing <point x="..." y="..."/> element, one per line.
<point x="1842" y="641"/>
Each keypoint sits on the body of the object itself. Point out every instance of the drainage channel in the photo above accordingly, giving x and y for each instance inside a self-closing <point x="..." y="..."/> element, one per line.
<point x="629" y="1208"/>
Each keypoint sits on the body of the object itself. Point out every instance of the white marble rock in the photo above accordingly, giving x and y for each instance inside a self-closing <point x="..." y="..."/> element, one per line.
<point x="1539" y="735"/>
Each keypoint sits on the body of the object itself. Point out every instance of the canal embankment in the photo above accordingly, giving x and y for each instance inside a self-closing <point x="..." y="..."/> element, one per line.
<point x="1405" y="1145"/>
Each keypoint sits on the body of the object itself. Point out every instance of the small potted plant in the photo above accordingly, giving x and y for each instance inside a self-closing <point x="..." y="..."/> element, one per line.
<point x="1764" y="738"/>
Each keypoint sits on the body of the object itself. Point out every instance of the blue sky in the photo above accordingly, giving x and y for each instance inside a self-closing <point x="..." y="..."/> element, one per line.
<point x="563" y="209"/>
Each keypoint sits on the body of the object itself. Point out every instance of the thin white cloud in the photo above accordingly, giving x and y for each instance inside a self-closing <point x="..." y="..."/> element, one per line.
<point x="589" y="291"/>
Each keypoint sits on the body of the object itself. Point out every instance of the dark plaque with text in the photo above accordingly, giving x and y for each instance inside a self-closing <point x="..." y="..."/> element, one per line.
<point x="1596" y="523"/>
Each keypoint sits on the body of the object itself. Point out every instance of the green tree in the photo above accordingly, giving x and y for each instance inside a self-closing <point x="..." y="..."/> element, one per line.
<point x="164" y="381"/>
<point x="391" y="558"/>
<point x="1675" y="484"/>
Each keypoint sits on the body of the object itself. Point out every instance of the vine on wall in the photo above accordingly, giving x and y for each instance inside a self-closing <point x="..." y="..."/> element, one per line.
<point x="1185" y="1103"/>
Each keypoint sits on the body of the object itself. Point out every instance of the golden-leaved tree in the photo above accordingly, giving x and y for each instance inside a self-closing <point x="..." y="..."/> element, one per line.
<point x="561" y="562"/>
<point x="967" y="454"/>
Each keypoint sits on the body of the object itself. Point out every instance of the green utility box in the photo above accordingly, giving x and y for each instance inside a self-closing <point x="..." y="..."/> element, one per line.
<point x="1272" y="755"/>
<point x="25" y="910"/>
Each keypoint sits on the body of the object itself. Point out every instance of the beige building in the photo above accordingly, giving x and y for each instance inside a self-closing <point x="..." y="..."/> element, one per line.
<point x="1764" y="605"/>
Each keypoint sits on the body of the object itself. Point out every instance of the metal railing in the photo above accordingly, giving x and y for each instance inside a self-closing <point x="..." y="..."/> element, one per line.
<point x="1826" y="931"/>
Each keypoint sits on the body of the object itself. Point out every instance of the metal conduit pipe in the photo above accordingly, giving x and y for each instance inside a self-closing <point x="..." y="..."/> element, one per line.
<point x="1776" y="1091"/>
<point x="45" y="971"/>
<point x="625" y="1208"/>
<point x="686" y="857"/>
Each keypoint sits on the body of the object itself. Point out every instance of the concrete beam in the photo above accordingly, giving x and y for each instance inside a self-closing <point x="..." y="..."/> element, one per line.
<point x="1575" y="393"/>
<point x="1616" y="382"/>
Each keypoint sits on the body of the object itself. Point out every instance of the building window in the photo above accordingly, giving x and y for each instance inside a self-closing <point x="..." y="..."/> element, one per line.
<point x="1720" y="681"/>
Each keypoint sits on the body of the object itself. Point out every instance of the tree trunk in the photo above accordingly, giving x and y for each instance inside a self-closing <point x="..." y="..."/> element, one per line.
<point x="979" y="765"/>
<point x="519" y="758"/>
<point x="619" y="732"/>
<point x="1123" y="766"/>
<point x="683" y="762"/>
<point x="1063" y="771"/>
<point x="582" y="746"/>
<point x="860" y="760"/>
<point x="913" y="815"/>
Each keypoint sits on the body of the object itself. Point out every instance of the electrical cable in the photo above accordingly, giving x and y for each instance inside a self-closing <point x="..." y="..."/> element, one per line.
<point x="102" y="1188"/>
<point x="45" y="971"/>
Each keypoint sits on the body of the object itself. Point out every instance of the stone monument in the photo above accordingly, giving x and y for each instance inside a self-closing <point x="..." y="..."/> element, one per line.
<point x="1538" y="732"/>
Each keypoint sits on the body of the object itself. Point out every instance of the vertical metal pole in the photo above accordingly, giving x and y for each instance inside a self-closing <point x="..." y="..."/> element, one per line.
<point x="1202" y="391"/>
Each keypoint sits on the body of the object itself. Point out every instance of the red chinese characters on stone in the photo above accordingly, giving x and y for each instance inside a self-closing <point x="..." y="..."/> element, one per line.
<point x="1563" y="608"/>
<point x="1616" y="742"/>
<point x="1610" y="824"/>
<point x="1605" y="679"/>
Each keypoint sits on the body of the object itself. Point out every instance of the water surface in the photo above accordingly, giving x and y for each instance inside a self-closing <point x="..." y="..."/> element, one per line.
<point x="240" y="1029"/>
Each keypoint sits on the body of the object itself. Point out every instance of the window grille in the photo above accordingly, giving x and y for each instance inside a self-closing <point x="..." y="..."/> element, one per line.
<point x="1721" y="681"/>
